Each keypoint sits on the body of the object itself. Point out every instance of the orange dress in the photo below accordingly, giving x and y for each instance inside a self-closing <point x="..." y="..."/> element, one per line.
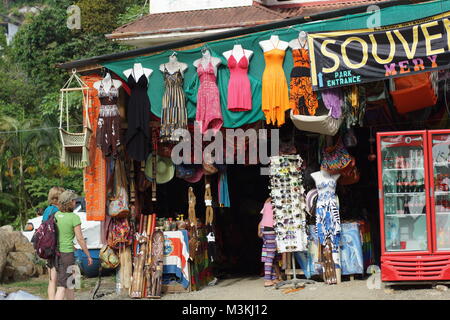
<point x="302" y="98"/>
<point x="275" y="95"/>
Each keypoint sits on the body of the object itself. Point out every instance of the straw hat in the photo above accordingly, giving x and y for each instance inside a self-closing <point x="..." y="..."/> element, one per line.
<point x="165" y="170"/>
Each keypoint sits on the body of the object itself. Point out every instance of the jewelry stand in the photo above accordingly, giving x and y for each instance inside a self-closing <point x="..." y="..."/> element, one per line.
<point x="297" y="283"/>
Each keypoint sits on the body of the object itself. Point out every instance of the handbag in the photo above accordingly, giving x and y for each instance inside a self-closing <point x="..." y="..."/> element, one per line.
<point x="414" y="92"/>
<point x="108" y="258"/>
<point x="350" y="175"/>
<point x="325" y="124"/>
<point x="120" y="234"/>
<point x="118" y="206"/>
<point x="335" y="159"/>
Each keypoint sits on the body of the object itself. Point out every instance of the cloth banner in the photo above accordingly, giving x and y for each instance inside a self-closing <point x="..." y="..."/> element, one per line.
<point x="359" y="56"/>
<point x="176" y="256"/>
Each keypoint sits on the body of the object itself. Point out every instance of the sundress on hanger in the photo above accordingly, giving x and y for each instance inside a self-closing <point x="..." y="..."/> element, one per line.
<point x="303" y="99"/>
<point x="108" y="124"/>
<point x="239" y="90"/>
<point x="174" y="112"/>
<point x="209" y="114"/>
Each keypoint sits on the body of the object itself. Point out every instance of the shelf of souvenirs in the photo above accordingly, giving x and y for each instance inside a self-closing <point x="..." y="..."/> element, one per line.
<point x="443" y="213"/>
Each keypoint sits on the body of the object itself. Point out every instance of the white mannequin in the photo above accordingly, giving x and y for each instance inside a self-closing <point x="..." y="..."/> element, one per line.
<point x="273" y="43"/>
<point x="300" y="42"/>
<point x="107" y="83"/>
<point x="238" y="53"/>
<point x="206" y="59"/>
<point x="173" y="65"/>
<point x="138" y="71"/>
<point x="323" y="174"/>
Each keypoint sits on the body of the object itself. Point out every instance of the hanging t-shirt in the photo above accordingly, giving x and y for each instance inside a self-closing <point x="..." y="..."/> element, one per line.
<point x="267" y="212"/>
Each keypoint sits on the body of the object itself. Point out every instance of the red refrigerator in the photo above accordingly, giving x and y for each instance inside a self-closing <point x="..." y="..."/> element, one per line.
<point x="414" y="195"/>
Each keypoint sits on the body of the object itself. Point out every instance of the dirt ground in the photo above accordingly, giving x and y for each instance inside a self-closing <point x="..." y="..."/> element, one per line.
<point x="251" y="288"/>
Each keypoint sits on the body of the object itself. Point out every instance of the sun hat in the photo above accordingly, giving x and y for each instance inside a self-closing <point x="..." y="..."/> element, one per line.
<point x="67" y="196"/>
<point x="311" y="197"/>
<point x="165" y="170"/>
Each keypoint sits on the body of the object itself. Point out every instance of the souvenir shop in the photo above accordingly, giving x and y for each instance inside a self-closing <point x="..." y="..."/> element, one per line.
<point x="179" y="227"/>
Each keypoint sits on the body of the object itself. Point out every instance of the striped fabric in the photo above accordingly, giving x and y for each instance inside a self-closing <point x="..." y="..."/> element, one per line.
<point x="174" y="112"/>
<point x="269" y="255"/>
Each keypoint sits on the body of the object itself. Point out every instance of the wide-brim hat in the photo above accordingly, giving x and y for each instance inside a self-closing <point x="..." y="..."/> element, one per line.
<point x="165" y="170"/>
<point x="311" y="196"/>
<point x="197" y="176"/>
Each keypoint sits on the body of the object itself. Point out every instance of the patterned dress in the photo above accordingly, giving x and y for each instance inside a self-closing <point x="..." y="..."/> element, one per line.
<point x="209" y="113"/>
<point x="108" y="124"/>
<point x="174" y="112"/>
<point x="328" y="221"/>
<point x="303" y="100"/>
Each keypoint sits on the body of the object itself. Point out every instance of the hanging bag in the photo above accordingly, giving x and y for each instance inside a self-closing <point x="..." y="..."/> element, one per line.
<point x="335" y="158"/>
<point x="118" y="206"/>
<point x="414" y="92"/>
<point x="325" y="124"/>
<point x="75" y="146"/>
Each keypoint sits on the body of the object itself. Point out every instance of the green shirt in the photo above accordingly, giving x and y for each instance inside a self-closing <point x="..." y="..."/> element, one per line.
<point x="66" y="222"/>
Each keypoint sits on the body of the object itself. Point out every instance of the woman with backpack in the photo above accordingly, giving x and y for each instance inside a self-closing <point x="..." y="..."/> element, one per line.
<point x="68" y="225"/>
<point x="53" y="196"/>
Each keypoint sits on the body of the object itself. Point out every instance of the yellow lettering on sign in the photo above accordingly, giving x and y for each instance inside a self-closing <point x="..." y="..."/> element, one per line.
<point x="330" y="55"/>
<point x="429" y="38"/>
<point x="391" y="50"/>
<point x="365" y="52"/>
<point x="410" y="52"/>
<point x="447" y="29"/>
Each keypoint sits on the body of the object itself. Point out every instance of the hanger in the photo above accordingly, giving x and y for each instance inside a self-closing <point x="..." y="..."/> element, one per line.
<point x="174" y="53"/>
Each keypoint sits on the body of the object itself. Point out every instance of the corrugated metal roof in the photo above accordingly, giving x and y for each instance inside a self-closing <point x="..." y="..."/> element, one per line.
<point x="198" y="20"/>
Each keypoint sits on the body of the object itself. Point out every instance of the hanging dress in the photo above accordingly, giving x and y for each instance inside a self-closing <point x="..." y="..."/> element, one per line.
<point x="328" y="223"/>
<point x="275" y="96"/>
<point x="239" y="90"/>
<point x="174" y="112"/>
<point x="209" y="114"/>
<point x="301" y="86"/>
<point x="138" y="141"/>
<point x="108" y="124"/>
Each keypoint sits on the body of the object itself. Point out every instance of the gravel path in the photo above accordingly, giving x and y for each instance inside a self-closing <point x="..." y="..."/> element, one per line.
<point x="251" y="288"/>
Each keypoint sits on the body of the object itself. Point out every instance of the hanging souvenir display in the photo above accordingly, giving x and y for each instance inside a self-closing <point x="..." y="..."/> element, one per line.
<point x="75" y="146"/>
<point x="174" y="112"/>
<point x="288" y="201"/>
<point x="275" y="96"/>
<point x="354" y="105"/>
<point x="239" y="89"/>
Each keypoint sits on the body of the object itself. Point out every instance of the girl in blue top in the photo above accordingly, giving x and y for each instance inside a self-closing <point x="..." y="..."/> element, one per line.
<point x="52" y="208"/>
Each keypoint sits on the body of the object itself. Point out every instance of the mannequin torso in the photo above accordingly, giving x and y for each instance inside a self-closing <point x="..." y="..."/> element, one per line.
<point x="107" y="83"/>
<point x="206" y="59"/>
<point x="273" y="43"/>
<point x="138" y="71"/>
<point x="301" y="42"/>
<point x="173" y="66"/>
<point x="238" y="53"/>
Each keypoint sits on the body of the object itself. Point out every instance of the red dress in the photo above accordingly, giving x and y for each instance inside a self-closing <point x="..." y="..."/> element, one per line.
<point x="239" y="90"/>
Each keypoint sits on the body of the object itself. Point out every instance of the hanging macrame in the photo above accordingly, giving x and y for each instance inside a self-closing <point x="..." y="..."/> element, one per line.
<point x="75" y="146"/>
